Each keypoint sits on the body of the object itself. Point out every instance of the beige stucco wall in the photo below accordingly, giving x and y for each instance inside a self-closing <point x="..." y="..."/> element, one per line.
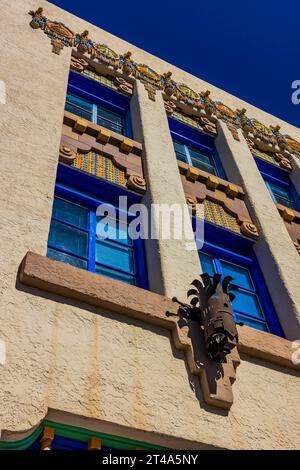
<point x="103" y="366"/>
<point x="70" y="357"/>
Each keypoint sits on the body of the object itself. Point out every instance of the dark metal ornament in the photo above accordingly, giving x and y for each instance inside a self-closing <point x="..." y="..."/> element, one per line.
<point x="210" y="305"/>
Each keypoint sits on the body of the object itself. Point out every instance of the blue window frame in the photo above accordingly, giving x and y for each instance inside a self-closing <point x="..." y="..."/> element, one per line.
<point x="282" y="195"/>
<point x="98" y="104"/>
<point x="95" y="113"/>
<point x="195" y="148"/>
<point x="246" y="305"/>
<point x="279" y="184"/>
<point x="74" y="228"/>
<point x="227" y="253"/>
<point x="194" y="157"/>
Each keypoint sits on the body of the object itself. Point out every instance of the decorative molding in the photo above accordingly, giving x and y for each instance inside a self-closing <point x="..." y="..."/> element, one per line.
<point x="287" y="214"/>
<point x="104" y="167"/>
<point x="213" y="182"/>
<point x="217" y="212"/>
<point x="137" y="183"/>
<point x="59" y="33"/>
<point x="47" y="438"/>
<point x="67" y="155"/>
<point x="87" y="68"/>
<point x="94" y="443"/>
<point x="77" y="428"/>
<point x="249" y="229"/>
<point x="261" y="137"/>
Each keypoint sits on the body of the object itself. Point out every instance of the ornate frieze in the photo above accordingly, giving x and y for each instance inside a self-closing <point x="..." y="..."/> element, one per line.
<point x="59" y="33"/>
<point x="223" y="202"/>
<point x="102" y="153"/>
<point x="259" y="136"/>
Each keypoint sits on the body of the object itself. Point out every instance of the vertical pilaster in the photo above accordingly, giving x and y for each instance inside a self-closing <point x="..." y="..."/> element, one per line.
<point x="275" y="252"/>
<point x="171" y="266"/>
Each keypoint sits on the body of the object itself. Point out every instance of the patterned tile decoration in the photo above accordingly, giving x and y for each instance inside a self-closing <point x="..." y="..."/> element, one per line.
<point x="101" y="166"/>
<point x="216" y="214"/>
<point x="99" y="78"/>
<point x="265" y="156"/>
<point x="186" y="120"/>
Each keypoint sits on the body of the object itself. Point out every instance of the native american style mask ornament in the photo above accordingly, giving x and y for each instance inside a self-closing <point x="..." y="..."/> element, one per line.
<point x="210" y="305"/>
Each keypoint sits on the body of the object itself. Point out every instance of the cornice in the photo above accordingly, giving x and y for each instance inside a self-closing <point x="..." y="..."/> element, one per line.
<point x="264" y="138"/>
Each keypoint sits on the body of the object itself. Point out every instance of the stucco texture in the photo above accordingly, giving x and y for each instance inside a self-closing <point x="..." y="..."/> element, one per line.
<point x="83" y="360"/>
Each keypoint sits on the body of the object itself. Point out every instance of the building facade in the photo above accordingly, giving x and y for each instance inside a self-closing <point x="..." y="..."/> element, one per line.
<point x="93" y="351"/>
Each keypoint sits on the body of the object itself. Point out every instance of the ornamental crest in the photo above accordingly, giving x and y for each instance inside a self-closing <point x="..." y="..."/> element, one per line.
<point x="224" y="111"/>
<point x="261" y="128"/>
<point x="146" y="73"/>
<point x="59" y="33"/>
<point x="106" y="55"/>
<point x="187" y="93"/>
<point x="59" y="30"/>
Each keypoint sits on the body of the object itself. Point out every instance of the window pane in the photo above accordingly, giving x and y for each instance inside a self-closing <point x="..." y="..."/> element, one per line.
<point x="67" y="238"/>
<point x="181" y="157"/>
<point x="70" y="213"/>
<point x="251" y="322"/>
<point x="115" y="275"/>
<point x="278" y="190"/>
<point x="207" y="263"/>
<point x="80" y="102"/>
<point x="178" y="147"/>
<point x="246" y="302"/>
<point x="114" y="255"/>
<point x="203" y="166"/>
<point x="79" y="112"/>
<point x="58" y="256"/>
<point x="110" y="115"/>
<point x="110" y="125"/>
<point x="241" y="276"/>
<point x="199" y="156"/>
<point x="283" y="196"/>
<point x="113" y="229"/>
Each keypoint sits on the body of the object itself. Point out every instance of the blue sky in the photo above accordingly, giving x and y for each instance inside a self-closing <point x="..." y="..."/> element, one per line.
<point x="248" y="49"/>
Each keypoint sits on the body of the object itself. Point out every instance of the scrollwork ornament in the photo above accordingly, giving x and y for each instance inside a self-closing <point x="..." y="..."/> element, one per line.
<point x="249" y="229"/>
<point x="66" y="155"/>
<point x="137" y="183"/>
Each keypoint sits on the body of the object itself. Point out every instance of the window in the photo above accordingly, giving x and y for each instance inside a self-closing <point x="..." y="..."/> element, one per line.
<point x="282" y="195"/>
<point x="279" y="184"/>
<point x="95" y="113"/>
<point x="246" y="306"/>
<point x="194" y="157"/>
<point x="73" y="240"/>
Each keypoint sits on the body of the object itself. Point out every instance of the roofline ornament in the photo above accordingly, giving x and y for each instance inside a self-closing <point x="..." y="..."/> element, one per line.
<point x="261" y="136"/>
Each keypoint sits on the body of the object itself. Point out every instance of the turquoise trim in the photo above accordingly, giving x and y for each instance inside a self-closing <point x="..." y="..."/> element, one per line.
<point x="78" y="434"/>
